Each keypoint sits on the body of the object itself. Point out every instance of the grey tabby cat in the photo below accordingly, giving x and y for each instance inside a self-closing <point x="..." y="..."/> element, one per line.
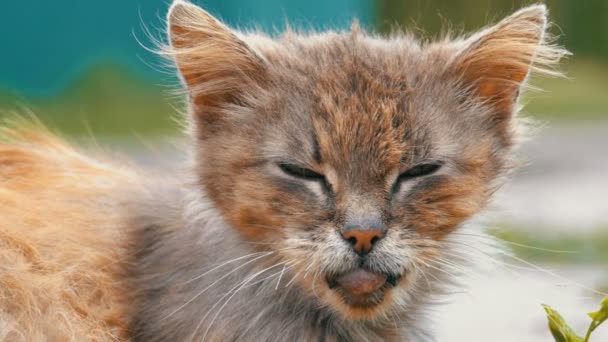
<point x="332" y="176"/>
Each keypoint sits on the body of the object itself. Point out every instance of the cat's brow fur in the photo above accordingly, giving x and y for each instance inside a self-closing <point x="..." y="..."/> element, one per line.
<point x="236" y="250"/>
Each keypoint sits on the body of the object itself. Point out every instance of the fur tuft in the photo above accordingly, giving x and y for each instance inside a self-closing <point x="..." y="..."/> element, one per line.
<point x="62" y="252"/>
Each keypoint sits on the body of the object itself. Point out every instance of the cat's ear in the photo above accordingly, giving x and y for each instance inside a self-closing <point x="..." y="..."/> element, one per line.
<point x="214" y="63"/>
<point x="496" y="61"/>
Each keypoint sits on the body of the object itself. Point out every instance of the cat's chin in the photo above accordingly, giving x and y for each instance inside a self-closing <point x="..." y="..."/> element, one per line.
<point x="362" y="294"/>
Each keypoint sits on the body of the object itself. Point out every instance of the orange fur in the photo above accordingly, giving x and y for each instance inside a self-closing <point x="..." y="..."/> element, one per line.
<point x="61" y="247"/>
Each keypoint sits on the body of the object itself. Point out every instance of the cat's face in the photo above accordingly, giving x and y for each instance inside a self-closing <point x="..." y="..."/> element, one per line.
<point x="351" y="157"/>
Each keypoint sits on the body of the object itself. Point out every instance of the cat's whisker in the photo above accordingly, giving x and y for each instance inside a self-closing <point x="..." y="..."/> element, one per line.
<point x="425" y="264"/>
<point x="214" y="283"/>
<point x="556" y="276"/>
<point x="224" y="264"/>
<point x="457" y="267"/>
<point x="293" y="278"/>
<point x="421" y="271"/>
<point x="477" y="250"/>
<point x="240" y="287"/>
<point x="517" y="244"/>
<point x="449" y="269"/>
<point x="479" y="253"/>
<point x="314" y="283"/>
<point x="456" y="274"/>
<point x="514" y="268"/>
<point x="308" y="268"/>
<point x="528" y="267"/>
<point x="280" y="277"/>
<point x="265" y="243"/>
<point x="248" y="285"/>
<point x="447" y="263"/>
<point x="271" y="276"/>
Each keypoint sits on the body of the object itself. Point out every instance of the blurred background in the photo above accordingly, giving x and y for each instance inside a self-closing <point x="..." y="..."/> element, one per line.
<point x="83" y="67"/>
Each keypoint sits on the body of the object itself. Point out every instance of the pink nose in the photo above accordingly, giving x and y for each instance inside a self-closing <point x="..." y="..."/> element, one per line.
<point x="362" y="239"/>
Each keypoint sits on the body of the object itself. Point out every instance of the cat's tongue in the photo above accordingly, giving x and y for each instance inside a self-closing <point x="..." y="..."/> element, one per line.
<point x="361" y="282"/>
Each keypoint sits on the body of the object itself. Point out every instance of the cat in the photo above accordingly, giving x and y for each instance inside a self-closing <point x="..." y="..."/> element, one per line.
<point x="332" y="180"/>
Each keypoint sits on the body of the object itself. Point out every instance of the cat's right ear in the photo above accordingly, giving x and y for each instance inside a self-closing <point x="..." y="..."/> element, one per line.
<point x="215" y="65"/>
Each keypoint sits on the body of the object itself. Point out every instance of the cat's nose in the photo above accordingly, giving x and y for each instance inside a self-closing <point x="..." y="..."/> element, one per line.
<point x="362" y="239"/>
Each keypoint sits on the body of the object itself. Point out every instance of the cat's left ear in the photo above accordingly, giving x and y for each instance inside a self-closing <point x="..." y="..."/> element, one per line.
<point x="495" y="62"/>
<point x="217" y="67"/>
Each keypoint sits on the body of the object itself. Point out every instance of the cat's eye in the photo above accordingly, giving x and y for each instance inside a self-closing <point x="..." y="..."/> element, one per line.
<point x="420" y="170"/>
<point x="300" y="172"/>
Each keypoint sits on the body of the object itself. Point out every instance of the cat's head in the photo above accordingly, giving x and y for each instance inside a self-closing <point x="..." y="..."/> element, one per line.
<point x="354" y="157"/>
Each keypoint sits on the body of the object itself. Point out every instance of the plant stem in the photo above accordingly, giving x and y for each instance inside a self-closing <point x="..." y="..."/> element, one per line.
<point x="592" y="327"/>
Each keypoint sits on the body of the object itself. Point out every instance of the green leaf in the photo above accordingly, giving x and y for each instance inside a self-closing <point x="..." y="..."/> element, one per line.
<point x="597" y="315"/>
<point x="598" y="318"/>
<point x="559" y="329"/>
<point x="602" y="314"/>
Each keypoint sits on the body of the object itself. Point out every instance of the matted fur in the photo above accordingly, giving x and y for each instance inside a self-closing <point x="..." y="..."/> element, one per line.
<point x="236" y="248"/>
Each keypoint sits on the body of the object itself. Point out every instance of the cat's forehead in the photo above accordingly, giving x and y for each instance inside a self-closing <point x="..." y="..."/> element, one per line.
<point x="360" y="117"/>
<point x="356" y="93"/>
<point x="340" y="56"/>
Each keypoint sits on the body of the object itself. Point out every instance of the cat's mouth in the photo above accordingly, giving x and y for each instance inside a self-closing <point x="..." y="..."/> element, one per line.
<point x="362" y="288"/>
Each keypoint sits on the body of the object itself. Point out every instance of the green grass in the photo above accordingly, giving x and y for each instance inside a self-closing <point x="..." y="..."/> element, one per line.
<point x="106" y="101"/>
<point x="583" y="96"/>
<point x="557" y="249"/>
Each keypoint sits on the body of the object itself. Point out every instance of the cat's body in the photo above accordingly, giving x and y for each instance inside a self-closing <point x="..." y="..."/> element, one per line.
<point x="84" y="290"/>
<point x="331" y="179"/>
